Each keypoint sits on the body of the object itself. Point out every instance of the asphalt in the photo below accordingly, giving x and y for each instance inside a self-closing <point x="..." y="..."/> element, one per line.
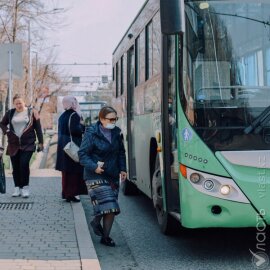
<point x="44" y="232"/>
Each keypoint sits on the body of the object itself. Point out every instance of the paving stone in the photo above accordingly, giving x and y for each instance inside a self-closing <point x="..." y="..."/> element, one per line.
<point x="43" y="237"/>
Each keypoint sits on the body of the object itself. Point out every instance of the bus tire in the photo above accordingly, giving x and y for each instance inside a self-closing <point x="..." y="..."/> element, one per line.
<point x="129" y="188"/>
<point x="165" y="220"/>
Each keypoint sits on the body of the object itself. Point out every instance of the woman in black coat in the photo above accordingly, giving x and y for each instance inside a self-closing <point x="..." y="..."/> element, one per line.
<point x="72" y="172"/>
<point x="102" y="154"/>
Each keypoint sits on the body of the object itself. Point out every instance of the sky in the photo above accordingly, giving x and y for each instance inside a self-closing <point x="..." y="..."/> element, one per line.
<point x="93" y="30"/>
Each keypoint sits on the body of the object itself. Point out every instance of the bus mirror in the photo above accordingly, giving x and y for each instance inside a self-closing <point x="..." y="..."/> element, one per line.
<point x="172" y="16"/>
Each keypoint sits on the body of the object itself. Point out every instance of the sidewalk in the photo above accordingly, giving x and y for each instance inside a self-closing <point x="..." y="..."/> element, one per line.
<point x="44" y="232"/>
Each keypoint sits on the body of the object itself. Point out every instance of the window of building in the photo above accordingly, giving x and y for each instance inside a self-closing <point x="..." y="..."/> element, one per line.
<point x="251" y="74"/>
<point x="267" y="63"/>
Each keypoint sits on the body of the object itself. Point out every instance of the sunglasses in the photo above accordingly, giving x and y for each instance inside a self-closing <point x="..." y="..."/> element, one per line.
<point x="112" y="119"/>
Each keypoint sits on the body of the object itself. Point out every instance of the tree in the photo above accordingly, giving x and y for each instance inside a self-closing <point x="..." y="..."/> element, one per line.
<point x="15" y="18"/>
<point x="46" y="76"/>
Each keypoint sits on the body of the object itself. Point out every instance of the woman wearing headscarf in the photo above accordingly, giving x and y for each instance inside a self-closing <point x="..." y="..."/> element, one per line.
<point x="72" y="172"/>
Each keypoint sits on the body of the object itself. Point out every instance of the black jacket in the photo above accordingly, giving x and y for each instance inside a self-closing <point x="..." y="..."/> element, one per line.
<point x="63" y="161"/>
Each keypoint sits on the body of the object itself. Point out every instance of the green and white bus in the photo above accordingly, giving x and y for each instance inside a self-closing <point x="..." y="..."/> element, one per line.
<point x="192" y="90"/>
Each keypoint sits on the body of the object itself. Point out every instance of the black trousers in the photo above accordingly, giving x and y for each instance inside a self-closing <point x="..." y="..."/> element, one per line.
<point x="21" y="171"/>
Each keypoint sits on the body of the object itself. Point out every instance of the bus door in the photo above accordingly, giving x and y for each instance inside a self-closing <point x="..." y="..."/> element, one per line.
<point x="130" y="112"/>
<point x="169" y="107"/>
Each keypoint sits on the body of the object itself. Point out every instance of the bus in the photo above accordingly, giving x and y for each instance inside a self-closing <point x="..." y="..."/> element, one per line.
<point x="192" y="91"/>
<point x="90" y="111"/>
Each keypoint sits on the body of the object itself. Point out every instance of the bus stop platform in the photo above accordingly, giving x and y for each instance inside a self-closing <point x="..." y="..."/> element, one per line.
<point x="44" y="232"/>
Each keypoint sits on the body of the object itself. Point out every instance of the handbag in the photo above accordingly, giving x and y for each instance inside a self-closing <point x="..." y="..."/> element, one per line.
<point x="71" y="149"/>
<point x="2" y="177"/>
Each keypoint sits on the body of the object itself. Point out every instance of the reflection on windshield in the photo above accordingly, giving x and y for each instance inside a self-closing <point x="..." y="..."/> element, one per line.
<point x="227" y="72"/>
<point x="259" y="123"/>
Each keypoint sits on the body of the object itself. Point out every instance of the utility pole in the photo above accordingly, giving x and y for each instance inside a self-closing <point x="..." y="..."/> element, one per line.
<point x="10" y="80"/>
<point x="30" y="77"/>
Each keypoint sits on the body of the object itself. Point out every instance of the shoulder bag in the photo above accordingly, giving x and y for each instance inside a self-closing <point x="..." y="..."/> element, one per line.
<point x="2" y="173"/>
<point x="71" y="149"/>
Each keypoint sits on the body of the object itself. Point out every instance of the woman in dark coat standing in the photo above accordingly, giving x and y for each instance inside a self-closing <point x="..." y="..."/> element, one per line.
<point x="103" y="156"/>
<point x="72" y="172"/>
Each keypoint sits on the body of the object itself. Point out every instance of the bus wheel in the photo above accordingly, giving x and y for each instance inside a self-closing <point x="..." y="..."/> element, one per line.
<point x="129" y="188"/>
<point x="165" y="221"/>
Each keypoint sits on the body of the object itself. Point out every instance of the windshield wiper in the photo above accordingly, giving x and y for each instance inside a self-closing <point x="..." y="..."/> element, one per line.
<point x="259" y="122"/>
<point x="242" y="17"/>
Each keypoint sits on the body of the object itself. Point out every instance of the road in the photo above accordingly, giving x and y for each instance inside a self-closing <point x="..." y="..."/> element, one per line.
<point x="140" y="245"/>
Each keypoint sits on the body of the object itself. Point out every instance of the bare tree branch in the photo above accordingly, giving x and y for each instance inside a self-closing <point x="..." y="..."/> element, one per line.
<point x="14" y="18"/>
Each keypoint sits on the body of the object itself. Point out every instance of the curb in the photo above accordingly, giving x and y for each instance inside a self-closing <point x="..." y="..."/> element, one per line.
<point x="89" y="260"/>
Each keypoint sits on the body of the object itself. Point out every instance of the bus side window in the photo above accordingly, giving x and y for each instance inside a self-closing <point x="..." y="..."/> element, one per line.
<point x="156" y="44"/>
<point x="117" y="80"/>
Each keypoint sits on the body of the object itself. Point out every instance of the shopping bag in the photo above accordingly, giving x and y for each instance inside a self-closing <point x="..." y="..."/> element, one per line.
<point x="2" y="177"/>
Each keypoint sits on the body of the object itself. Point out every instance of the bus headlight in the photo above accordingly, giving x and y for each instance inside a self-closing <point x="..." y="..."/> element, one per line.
<point x="208" y="184"/>
<point x="195" y="178"/>
<point x="225" y="189"/>
<point x="217" y="186"/>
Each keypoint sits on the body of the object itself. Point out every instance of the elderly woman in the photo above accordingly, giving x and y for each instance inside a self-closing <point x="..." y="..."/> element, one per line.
<point x="102" y="154"/>
<point x="21" y="125"/>
<point x="72" y="172"/>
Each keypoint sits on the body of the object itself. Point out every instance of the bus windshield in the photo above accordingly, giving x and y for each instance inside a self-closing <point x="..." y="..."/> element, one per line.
<point x="226" y="73"/>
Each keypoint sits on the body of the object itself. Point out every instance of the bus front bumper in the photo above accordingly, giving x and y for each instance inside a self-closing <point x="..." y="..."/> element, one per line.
<point x="199" y="210"/>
